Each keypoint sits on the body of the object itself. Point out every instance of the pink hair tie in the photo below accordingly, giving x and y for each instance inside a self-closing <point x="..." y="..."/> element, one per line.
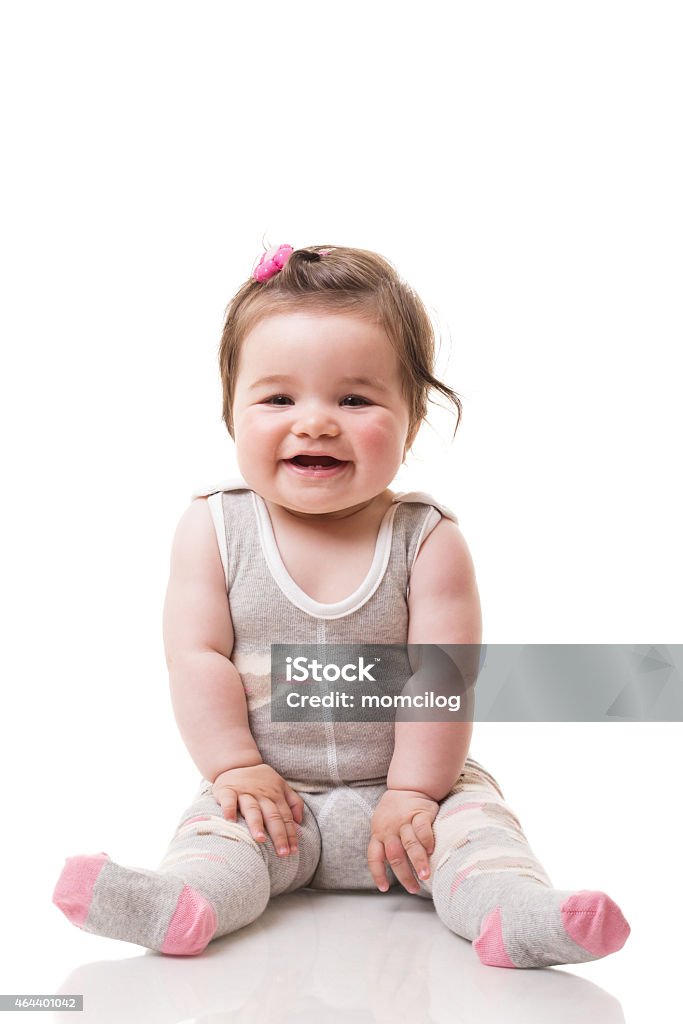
<point x="272" y="262"/>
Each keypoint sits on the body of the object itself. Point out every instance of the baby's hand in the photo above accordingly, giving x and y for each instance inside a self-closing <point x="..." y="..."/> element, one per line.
<point x="261" y="796"/>
<point x="402" y="834"/>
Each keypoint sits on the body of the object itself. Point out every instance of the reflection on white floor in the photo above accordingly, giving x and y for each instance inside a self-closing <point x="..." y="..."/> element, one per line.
<point x="327" y="957"/>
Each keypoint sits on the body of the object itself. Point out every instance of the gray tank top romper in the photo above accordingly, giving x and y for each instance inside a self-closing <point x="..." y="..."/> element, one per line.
<point x="335" y="766"/>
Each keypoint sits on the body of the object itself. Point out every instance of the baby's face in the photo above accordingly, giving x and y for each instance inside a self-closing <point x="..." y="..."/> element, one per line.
<point x="333" y="391"/>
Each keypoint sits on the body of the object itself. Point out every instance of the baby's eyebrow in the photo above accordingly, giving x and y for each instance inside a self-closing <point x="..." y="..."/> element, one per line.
<point x="283" y="378"/>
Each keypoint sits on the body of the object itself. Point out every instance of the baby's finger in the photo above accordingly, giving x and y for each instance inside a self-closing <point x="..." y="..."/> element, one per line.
<point x="396" y="855"/>
<point x="422" y="823"/>
<point x="296" y="804"/>
<point x="276" y="826"/>
<point x="289" y="823"/>
<point x="376" y="859"/>
<point x="415" y="850"/>
<point x="251" y="812"/>
<point x="227" y="798"/>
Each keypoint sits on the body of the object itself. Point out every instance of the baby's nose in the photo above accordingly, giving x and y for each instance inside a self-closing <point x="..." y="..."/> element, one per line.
<point x="316" y="423"/>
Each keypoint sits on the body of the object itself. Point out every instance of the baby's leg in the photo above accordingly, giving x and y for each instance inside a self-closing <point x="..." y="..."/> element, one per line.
<point x="489" y="888"/>
<point x="213" y="879"/>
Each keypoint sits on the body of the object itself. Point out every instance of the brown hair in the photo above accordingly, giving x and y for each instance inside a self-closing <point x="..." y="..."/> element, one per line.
<point x="348" y="280"/>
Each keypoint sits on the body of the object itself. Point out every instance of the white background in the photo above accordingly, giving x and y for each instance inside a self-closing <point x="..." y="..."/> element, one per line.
<point x="520" y="164"/>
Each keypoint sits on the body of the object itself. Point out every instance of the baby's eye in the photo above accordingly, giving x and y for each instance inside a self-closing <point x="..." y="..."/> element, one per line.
<point x="356" y="398"/>
<point x="277" y="400"/>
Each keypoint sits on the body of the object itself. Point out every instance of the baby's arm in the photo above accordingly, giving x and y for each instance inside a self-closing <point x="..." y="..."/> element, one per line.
<point x="206" y="689"/>
<point x="444" y="609"/>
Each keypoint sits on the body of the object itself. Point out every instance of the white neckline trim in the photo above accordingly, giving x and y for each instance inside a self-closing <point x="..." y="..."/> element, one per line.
<point x="293" y="591"/>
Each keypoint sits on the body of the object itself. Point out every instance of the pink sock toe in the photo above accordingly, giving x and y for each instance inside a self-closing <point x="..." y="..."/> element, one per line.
<point x="192" y="926"/>
<point x="73" y="892"/>
<point x="489" y="944"/>
<point x="595" y="922"/>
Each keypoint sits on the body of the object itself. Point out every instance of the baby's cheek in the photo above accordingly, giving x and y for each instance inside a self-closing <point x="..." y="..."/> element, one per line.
<point x="256" y="432"/>
<point x="382" y="437"/>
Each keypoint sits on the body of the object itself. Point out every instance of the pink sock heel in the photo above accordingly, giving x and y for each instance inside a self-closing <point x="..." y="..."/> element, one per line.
<point x="192" y="926"/>
<point x="489" y="945"/>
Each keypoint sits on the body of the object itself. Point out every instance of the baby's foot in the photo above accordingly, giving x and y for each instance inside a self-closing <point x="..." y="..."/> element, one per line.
<point x="517" y="920"/>
<point x="538" y="927"/>
<point x="151" y="909"/>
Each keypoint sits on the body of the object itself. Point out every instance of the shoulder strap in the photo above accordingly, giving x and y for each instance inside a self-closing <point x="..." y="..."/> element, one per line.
<point x="215" y="503"/>
<point x="423" y="498"/>
<point x="234" y="483"/>
<point x="424" y="526"/>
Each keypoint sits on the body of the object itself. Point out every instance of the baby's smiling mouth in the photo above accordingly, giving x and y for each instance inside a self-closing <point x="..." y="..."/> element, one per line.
<point x="323" y="461"/>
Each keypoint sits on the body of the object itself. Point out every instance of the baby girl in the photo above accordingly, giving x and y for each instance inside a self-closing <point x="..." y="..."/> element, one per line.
<point x="327" y="364"/>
